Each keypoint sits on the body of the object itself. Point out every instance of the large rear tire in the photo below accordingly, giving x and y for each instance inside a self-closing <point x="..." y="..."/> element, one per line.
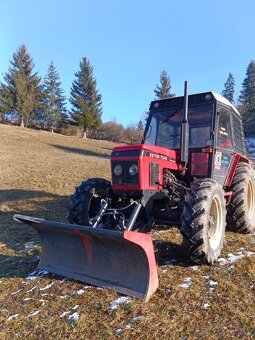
<point x="86" y="201"/>
<point x="241" y="211"/>
<point x="204" y="221"/>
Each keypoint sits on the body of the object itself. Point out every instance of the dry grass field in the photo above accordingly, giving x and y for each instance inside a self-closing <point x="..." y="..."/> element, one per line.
<point x="38" y="172"/>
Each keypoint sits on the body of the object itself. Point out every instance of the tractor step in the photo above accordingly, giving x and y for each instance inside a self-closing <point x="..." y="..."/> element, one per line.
<point x="121" y="261"/>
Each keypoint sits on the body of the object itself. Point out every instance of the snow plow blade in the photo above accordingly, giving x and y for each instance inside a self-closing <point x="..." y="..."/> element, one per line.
<point x="121" y="261"/>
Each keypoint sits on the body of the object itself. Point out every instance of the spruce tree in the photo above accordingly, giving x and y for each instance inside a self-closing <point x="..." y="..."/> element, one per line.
<point x="163" y="90"/>
<point x="85" y="99"/>
<point x="229" y="88"/>
<point x="140" y="125"/>
<point x="54" y="102"/>
<point x="247" y="99"/>
<point x="20" y="93"/>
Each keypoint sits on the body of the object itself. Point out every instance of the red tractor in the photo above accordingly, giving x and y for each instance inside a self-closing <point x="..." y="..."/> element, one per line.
<point x="190" y="170"/>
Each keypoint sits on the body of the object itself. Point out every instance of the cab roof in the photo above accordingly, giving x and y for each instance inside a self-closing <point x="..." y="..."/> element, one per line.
<point x="198" y="98"/>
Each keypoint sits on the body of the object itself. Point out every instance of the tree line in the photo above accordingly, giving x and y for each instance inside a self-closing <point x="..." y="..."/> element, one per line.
<point x="30" y="101"/>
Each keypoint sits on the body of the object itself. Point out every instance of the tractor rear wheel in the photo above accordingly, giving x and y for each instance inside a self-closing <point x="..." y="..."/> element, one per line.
<point x="241" y="211"/>
<point x="204" y="221"/>
<point x="86" y="201"/>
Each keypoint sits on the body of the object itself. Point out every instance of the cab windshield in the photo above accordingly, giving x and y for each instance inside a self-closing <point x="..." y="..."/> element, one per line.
<point x="165" y="127"/>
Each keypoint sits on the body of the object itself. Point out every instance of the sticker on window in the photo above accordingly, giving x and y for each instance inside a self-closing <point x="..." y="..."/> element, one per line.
<point x="217" y="162"/>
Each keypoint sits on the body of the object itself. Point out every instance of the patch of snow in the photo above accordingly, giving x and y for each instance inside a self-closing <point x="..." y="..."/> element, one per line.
<point x="64" y="314"/>
<point x="12" y="317"/>
<point x="87" y="287"/>
<point x="37" y="274"/>
<point x="250" y="147"/>
<point x="206" y="305"/>
<point x="123" y="300"/>
<point x="194" y="267"/>
<point x="64" y="296"/>
<point x="230" y="268"/>
<point x="75" y="308"/>
<point x="206" y="277"/>
<point x="118" y="330"/>
<point x="186" y="283"/>
<point x="48" y="286"/>
<point x="165" y="269"/>
<point x="27" y="299"/>
<point x="222" y="261"/>
<point x="64" y="279"/>
<point x="14" y="293"/>
<point x="225" y="101"/>
<point x="233" y="258"/>
<point x="250" y="253"/>
<point x="73" y="317"/>
<point x="136" y="318"/>
<point x="30" y="290"/>
<point x="34" y="314"/>
<point x="213" y="283"/>
<point x="42" y="300"/>
<point x="80" y="291"/>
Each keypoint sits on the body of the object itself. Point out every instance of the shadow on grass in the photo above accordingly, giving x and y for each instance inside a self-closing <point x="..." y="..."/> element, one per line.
<point x="20" y="248"/>
<point x="81" y="151"/>
<point x="171" y="253"/>
<point x="16" y="237"/>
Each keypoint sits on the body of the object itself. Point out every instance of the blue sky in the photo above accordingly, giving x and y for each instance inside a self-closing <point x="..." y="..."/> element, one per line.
<point x="130" y="42"/>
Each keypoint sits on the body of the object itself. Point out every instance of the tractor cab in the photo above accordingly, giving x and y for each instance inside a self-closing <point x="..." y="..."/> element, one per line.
<point x="215" y="132"/>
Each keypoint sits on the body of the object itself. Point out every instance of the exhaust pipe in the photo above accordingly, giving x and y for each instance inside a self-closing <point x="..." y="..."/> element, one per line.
<point x="185" y="130"/>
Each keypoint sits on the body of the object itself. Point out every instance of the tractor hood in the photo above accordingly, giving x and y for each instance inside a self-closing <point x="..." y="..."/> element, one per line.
<point x="136" y="150"/>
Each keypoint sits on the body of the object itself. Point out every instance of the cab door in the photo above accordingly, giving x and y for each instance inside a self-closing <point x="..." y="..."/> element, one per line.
<point x="223" y="152"/>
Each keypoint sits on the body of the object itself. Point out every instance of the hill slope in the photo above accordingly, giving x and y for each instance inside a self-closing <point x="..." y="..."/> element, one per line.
<point x="38" y="172"/>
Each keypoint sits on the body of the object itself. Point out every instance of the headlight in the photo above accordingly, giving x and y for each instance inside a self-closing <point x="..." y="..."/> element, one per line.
<point x="117" y="170"/>
<point x="133" y="170"/>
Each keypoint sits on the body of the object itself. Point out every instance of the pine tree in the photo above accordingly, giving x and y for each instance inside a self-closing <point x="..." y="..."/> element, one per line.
<point x="54" y="102"/>
<point x="229" y="88"/>
<point x="247" y="99"/>
<point x="85" y="99"/>
<point x="140" y="125"/>
<point x="20" y="95"/>
<point x="163" y="90"/>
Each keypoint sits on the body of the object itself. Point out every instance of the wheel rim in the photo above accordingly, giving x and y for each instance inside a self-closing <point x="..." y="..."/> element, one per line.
<point x="250" y="199"/>
<point x="215" y="222"/>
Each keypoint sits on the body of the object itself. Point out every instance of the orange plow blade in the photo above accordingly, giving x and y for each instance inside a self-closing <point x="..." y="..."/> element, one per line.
<point x="121" y="261"/>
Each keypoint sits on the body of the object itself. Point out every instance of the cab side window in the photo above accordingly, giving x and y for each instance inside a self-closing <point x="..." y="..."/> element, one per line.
<point x="224" y="130"/>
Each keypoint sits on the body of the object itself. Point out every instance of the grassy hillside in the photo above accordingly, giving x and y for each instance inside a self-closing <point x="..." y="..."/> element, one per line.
<point x="38" y="172"/>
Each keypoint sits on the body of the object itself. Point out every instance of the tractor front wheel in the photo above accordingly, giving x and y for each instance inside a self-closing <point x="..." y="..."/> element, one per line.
<point x="241" y="211"/>
<point x="86" y="201"/>
<point x="204" y="221"/>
